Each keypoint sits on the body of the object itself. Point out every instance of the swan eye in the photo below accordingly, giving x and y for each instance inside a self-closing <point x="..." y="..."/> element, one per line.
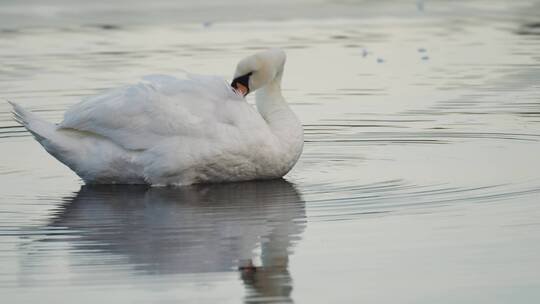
<point x="243" y="80"/>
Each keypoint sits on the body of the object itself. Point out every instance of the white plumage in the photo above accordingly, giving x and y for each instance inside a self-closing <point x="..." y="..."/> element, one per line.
<point x="178" y="131"/>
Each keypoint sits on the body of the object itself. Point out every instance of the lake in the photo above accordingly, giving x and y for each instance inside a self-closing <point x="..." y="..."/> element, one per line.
<point x="419" y="181"/>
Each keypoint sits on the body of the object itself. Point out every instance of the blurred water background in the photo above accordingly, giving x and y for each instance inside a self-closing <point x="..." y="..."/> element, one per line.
<point x="419" y="181"/>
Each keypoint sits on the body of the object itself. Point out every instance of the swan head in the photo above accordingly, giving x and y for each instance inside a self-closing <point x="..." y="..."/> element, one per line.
<point x="258" y="70"/>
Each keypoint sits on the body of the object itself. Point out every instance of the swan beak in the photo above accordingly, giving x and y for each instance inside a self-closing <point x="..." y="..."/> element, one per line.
<point x="241" y="89"/>
<point x="241" y="84"/>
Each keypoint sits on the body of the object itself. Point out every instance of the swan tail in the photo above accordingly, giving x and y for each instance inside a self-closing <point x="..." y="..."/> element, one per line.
<point x="46" y="133"/>
<point x="42" y="130"/>
<point x="57" y="142"/>
<point x="90" y="156"/>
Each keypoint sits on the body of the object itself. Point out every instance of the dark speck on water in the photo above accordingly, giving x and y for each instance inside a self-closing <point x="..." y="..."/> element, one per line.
<point x="364" y="53"/>
<point x="109" y="27"/>
<point x="418" y="177"/>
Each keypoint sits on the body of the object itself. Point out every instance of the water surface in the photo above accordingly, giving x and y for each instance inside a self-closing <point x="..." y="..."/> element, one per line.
<point x="419" y="180"/>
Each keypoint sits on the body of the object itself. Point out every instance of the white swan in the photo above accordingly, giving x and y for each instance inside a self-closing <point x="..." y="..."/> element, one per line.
<point x="170" y="131"/>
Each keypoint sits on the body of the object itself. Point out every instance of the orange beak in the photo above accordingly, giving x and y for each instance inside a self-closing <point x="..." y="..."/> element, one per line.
<point x="241" y="84"/>
<point x="240" y="88"/>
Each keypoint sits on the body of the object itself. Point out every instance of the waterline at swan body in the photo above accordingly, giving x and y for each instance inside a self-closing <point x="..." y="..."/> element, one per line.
<point x="179" y="131"/>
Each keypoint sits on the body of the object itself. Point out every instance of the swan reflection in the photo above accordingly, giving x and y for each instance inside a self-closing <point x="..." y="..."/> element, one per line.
<point x="202" y="228"/>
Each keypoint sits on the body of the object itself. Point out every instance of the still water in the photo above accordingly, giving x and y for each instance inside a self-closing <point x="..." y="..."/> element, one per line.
<point x="419" y="181"/>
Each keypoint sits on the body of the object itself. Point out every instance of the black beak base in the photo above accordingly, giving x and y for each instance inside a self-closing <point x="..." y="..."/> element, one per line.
<point x="243" y="80"/>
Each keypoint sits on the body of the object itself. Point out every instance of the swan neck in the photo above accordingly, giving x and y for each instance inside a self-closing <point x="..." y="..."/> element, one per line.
<point x="269" y="99"/>
<point x="271" y="91"/>
<point x="276" y="112"/>
<point x="282" y="121"/>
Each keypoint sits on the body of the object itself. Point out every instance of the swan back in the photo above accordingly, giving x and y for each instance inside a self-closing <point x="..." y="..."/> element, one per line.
<point x="159" y="107"/>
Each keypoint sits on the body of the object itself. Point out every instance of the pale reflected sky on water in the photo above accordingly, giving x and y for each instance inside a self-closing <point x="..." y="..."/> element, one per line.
<point x="419" y="180"/>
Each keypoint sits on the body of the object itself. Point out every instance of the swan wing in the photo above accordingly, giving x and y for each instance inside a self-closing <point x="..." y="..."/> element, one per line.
<point x="138" y="117"/>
